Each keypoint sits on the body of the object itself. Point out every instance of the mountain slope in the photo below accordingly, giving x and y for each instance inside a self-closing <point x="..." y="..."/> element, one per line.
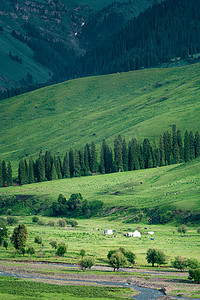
<point x="44" y="35"/>
<point x="143" y="104"/>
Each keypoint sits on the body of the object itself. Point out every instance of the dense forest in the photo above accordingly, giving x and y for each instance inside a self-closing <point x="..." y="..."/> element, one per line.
<point x="164" y="31"/>
<point x="172" y="148"/>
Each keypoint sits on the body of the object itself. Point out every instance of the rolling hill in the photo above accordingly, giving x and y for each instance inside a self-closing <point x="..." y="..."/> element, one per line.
<point x="141" y="104"/>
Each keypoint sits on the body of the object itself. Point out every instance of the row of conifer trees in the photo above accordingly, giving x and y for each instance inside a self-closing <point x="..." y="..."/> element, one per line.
<point x="171" y="148"/>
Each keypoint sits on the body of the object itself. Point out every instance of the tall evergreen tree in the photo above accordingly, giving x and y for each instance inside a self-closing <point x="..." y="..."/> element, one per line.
<point x="167" y="141"/>
<point x="162" y="152"/>
<point x="22" y="175"/>
<point x="40" y="165"/>
<point x="156" y="154"/>
<point x="102" y="163"/>
<point x="125" y="155"/>
<point x="147" y="153"/>
<point x="4" y="172"/>
<point x="94" y="164"/>
<point x="9" y="174"/>
<point x="87" y="158"/>
<point x="186" y="147"/>
<point x="31" y="171"/>
<point x="197" y="144"/>
<point x="66" y="173"/>
<point x="48" y="164"/>
<point x="54" y="174"/>
<point x="82" y="163"/>
<point x="191" y="146"/>
<point x="175" y="146"/>
<point x="20" y="236"/>
<point x="118" y="153"/>
<point x="180" y="144"/>
<point x="71" y="162"/>
<point x="77" y="168"/>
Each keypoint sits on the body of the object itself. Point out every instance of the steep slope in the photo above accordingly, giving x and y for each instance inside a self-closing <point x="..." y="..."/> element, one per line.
<point x="43" y="37"/>
<point x="143" y="104"/>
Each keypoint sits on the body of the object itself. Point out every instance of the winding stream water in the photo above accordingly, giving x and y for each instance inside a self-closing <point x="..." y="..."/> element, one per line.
<point x="145" y="293"/>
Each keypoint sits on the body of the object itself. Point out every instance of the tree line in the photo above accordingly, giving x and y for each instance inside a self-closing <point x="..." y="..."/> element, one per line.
<point x="171" y="148"/>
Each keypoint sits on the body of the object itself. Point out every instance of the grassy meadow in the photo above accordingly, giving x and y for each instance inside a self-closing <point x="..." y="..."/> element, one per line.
<point x="88" y="235"/>
<point x="141" y="104"/>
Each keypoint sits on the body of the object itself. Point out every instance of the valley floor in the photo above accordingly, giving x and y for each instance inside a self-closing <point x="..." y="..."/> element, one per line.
<point x="171" y="282"/>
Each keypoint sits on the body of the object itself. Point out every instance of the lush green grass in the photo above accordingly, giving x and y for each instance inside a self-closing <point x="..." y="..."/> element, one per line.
<point x="174" y="187"/>
<point x="142" y="104"/>
<point x="89" y="236"/>
<point x="12" y="288"/>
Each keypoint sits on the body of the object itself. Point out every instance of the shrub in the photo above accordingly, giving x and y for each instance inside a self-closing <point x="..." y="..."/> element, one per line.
<point x="41" y="222"/>
<point x="198" y="230"/>
<point x="12" y="220"/>
<point x="53" y="244"/>
<point x="62" y="249"/>
<point x="86" y="262"/>
<point x="3" y="232"/>
<point x="194" y="274"/>
<point x="82" y="252"/>
<point x="182" y="229"/>
<point x="61" y="223"/>
<point x="30" y="250"/>
<point x="19" y="236"/>
<point x="5" y="244"/>
<point x="9" y="212"/>
<point x="72" y="222"/>
<point x="179" y="263"/>
<point x="38" y="239"/>
<point x="192" y="263"/>
<point x="35" y="219"/>
<point x="51" y="223"/>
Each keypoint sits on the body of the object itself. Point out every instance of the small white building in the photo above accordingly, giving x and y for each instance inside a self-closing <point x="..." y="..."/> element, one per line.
<point x="108" y="231"/>
<point x="136" y="233"/>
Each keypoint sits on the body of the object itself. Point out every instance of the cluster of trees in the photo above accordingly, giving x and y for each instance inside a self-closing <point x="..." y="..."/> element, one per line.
<point x="75" y="206"/>
<point x="171" y="149"/>
<point x="15" y="58"/>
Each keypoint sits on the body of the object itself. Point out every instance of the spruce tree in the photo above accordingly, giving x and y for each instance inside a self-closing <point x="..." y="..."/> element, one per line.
<point x="9" y="174"/>
<point x="66" y="173"/>
<point x="186" y="147"/>
<point x="71" y="162"/>
<point x="167" y="141"/>
<point x="156" y="154"/>
<point x="77" y="168"/>
<point x="54" y="174"/>
<point x="191" y="146"/>
<point x="87" y="158"/>
<point x="102" y="163"/>
<point x="162" y="152"/>
<point x="59" y="166"/>
<point x="22" y="176"/>
<point x="4" y="172"/>
<point x="41" y="167"/>
<point x="20" y="236"/>
<point x="147" y="153"/>
<point x="94" y="164"/>
<point x="175" y="146"/>
<point x="118" y="153"/>
<point x="48" y="164"/>
<point x="125" y="155"/>
<point x="197" y="144"/>
<point x="82" y="163"/>
<point x="31" y="171"/>
<point x="180" y="145"/>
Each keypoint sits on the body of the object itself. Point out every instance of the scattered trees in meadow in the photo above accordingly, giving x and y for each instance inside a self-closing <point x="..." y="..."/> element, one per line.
<point x="86" y="263"/>
<point x="155" y="256"/>
<point x="19" y="236"/>
<point x="61" y="249"/>
<point x="120" y="258"/>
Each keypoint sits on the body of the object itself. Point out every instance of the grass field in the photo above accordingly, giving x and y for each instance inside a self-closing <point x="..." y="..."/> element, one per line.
<point x="142" y="104"/>
<point x="175" y="187"/>
<point x="89" y="236"/>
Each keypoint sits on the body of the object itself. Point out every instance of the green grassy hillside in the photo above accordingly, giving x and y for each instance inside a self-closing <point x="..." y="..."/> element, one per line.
<point x="142" y="104"/>
<point x="172" y="188"/>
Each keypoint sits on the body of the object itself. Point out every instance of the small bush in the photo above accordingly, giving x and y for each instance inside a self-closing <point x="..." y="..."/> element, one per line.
<point x="82" y="252"/>
<point x="51" y="223"/>
<point x="30" y="250"/>
<point x="9" y="212"/>
<point x="179" y="263"/>
<point x="72" y="222"/>
<point x="12" y="220"/>
<point x="192" y="263"/>
<point x="35" y="219"/>
<point x="62" y="223"/>
<point x="198" y="230"/>
<point x="195" y="275"/>
<point x="86" y="263"/>
<point x="38" y="239"/>
<point x="182" y="229"/>
<point x="53" y="244"/>
<point x="5" y="244"/>
<point x="62" y="249"/>
<point x="41" y="222"/>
